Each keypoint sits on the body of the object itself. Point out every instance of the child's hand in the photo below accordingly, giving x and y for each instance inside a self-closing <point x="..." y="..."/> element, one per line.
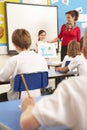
<point x="27" y="102"/>
<point x="58" y="69"/>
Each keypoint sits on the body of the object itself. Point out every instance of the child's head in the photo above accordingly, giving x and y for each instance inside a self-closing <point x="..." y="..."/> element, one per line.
<point x="21" y="38"/>
<point x="73" y="49"/>
<point x="41" y="35"/>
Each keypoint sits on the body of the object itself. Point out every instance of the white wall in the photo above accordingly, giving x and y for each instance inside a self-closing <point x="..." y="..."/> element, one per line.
<point x="3" y="59"/>
<point x="44" y="2"/>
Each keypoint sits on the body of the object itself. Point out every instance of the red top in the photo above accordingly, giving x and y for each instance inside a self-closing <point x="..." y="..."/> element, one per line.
<point x="67" y="35"/>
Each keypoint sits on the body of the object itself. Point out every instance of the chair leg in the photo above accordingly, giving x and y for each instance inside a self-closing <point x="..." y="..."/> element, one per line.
<point x="3" y="97"/>
<point x="19" y="95"/>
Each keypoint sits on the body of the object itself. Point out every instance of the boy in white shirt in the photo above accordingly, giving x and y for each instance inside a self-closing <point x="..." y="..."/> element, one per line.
<point x="25" y="62"/>
<point x="66" y="106"/>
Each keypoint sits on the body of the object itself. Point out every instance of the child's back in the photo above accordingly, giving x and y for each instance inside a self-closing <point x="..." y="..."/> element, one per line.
<point x="25" y="62"/>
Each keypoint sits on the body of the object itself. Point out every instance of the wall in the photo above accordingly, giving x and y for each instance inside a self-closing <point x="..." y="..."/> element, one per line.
<point x="3" y="48"/>
<point x="66" y="5"/>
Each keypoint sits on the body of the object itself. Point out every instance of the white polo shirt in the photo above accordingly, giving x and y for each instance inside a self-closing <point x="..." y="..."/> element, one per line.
<point x="24" y="62"/>
<point x="66" y="58"/>
<point x="80" y="63"/>
<point x="66" y="106"/>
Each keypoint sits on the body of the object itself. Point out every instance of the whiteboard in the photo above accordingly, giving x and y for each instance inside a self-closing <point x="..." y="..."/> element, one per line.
<point x="33" y="18"/>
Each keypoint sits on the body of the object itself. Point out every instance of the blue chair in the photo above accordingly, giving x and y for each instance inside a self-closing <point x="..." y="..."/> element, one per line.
<point x="67" y="63"/>
<point x="32" y="80"/>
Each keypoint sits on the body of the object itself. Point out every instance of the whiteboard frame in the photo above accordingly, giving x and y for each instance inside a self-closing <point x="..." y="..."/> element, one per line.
<point x="11" y="24"/>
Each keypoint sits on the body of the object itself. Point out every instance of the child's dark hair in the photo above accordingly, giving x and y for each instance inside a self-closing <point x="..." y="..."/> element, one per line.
<point x="21" y="38"/>
<point x="73" y="13"/>
<point x="40" y="32"/>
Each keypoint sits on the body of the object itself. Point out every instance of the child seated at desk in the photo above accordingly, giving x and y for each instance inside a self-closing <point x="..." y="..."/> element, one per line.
<point x="73" y="50"/>
<point x="25" y="62"/>
<point x="77" y="60"/>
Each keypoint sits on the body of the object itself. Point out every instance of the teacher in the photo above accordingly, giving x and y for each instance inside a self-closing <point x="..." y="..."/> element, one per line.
<point x="69" y="31"/>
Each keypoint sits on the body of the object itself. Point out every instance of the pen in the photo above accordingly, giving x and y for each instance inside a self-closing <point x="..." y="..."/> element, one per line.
<point x="25" y="85"/>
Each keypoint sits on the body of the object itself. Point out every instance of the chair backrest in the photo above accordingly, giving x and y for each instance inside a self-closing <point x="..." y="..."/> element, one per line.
<point x="67" y="63"/>
<point x="33" y="81"/>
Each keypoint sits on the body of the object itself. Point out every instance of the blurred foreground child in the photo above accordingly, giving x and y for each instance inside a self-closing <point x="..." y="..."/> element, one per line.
<point x="66" y="106"/>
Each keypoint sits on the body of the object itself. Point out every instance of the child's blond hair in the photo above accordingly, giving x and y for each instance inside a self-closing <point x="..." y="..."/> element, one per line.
<point x="73" y="48"/>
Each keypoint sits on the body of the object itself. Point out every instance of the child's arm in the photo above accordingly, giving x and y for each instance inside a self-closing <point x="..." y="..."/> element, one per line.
<point x="62" y="69"/>
<point x="27" y="120"/>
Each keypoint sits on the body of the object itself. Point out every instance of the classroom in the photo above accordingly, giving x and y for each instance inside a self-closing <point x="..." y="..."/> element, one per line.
<point x="43" y="65"/>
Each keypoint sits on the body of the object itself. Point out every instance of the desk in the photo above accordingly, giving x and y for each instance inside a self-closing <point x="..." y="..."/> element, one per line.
<point x="54" y="64"/>
<point x="52" y="74"/>
<point x="10" y="115"/>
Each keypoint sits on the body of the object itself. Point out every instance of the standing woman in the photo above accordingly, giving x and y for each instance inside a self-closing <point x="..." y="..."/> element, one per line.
<point x="68" y="32"/>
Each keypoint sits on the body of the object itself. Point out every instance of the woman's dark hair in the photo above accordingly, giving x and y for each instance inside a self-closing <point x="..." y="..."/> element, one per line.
<point x="21" y="38"/>
<point x="40" y="32"/>
<point x="73" y="13"/>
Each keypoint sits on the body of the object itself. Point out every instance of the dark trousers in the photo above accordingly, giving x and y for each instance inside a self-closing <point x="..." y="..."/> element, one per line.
<point x="63" y="52"/>
<point x="3" y="97"/>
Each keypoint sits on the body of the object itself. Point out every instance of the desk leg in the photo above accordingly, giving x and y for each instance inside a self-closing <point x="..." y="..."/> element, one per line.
<point x="56" y="82"/>
<point x="3" y="97"/>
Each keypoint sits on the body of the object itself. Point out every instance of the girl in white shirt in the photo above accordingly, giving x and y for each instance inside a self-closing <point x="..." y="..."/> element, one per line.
<point x="25" y="62"/>
<point x="41" y="38"/>
<point x="73" y="50"/>
<point x="76" y="61"/>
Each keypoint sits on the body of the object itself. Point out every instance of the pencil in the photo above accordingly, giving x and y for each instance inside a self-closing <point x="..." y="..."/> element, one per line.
<point x="25" y="85"/>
